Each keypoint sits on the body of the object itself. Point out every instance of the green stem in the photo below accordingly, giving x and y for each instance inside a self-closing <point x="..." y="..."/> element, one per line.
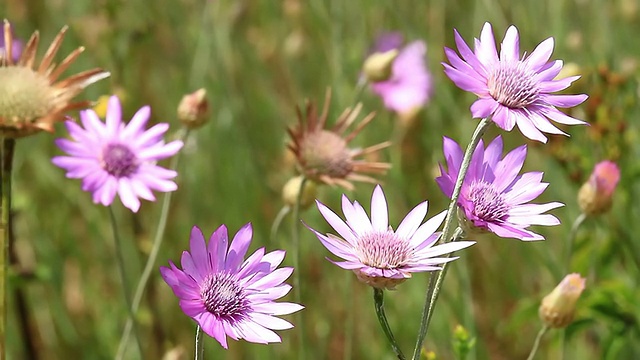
<point x="123" y="277"/>
<point x="435" y="282"/>
<point x="536" y="343"/>
<point x="277" y="222"/>
<point x="350" y="321"/>
<point x="8" y="148"/>
<point x="295" y="231"/>
<point x="378" y="299"/>
<point x="572" y="236"/>
<point x="199" y="351"/>
<point x="153" y="255"/>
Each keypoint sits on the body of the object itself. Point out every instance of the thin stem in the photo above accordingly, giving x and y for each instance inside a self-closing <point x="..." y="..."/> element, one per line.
<point x="350" y="321"/>
<point x="295" y="231"/>
<point x="572" y="236"/>
<point x="277" y="222"/>
<point x="435" y="284"/>
<point x="199" y="352"/>
<point x="536" y="343"/>
<point x="153" y="255"/>
<point x="378" y="299"/>
<point x="123" y="276"/>
<point x="8" y="148"/>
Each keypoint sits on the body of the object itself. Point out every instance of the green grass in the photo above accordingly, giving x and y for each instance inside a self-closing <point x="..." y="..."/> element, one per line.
<point x="259" y="60"/>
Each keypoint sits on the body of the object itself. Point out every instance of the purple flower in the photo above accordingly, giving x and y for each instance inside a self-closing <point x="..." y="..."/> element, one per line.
<point x="115" y="158"/>
<point x="380" y="256"/>
<point x="493" y="196"/>
<point x="409" y="87"/>
<point x="16" y="48"/>
<point x="227" y="295"/>
<point x="512" y="89"/>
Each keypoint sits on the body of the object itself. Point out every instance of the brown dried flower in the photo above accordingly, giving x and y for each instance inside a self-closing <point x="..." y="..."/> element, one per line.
<point x="323" y="155"/>
<point x="31" y="97"/>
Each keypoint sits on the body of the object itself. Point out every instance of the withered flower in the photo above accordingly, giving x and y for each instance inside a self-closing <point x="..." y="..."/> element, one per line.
<point x="323" y="154"/>
<point x="31" y="97"/>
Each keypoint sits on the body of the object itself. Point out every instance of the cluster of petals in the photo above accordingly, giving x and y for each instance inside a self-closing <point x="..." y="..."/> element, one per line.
<point x="511" y="89"/>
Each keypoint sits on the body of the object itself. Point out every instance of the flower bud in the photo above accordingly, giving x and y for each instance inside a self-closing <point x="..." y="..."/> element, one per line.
<point x="291" y="190"/>
<point x="557" y="308"/>
<point x="595" y="196"/>
<point x="378" y="66"/>
<point x="193" y="111"/>
<point x="462" y="342"/>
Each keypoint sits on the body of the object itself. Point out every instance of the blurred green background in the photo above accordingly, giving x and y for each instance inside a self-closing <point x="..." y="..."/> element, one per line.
<point x="258" y="59"/>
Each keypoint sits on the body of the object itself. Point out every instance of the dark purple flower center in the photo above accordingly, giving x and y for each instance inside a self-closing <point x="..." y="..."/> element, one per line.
<point x="118" y="160"/>
<point x="223" y="296"/>
<point x="383" y="250"/>
<point x="513" y="85"/>
<point x="488" y="203"/>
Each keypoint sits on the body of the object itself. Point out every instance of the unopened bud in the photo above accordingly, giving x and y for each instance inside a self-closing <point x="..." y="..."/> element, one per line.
<point x="558" y="308"/>
<point x="291" y="190"/>
<point x="193" y="111"/>
<point x="462" y="342"/>
<point x="595" y="196"/>
<point x="378" y="66"/>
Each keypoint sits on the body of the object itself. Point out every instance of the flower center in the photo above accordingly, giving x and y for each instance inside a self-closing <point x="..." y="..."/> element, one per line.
<point x="513" y="85"/>
<point x="25" y="96"/>
<point x="223" y="297"/>
<point x="383" y="250"/>
<point x="119" y="161"/>
<point x="326" y="153"/>
<point x="488" y="204"/>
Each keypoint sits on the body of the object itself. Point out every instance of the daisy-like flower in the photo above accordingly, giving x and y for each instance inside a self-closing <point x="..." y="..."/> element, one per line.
<point x="324" y="155"/>
<point x="227" y="295"/>
<point x="410" y="86"/>
<point x="493" y="196"/>
<point x="513" y="90"/>
<point x="113" y="158"/>
<point x="31" y="96"/>
<point x="378" y="255"/>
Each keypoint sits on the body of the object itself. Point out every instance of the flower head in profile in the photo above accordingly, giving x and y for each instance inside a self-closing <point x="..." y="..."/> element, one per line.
<point x="16" y="44"/>
<point x="410" y="86"/>
<point x="558" y="308"/>
<point x="596" y="195"/>
<point x="32" y="98"/>
<point x="493" y="196"/>
<point x="513" y="90"/>
<point x="378" y="255"/>
<point x="228" y="295"/>
<point x="323" y="154"/>
<point x="116" y="158"/>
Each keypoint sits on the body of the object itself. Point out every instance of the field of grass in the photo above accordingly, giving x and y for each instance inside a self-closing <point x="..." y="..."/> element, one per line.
<point x="260" y="59"/>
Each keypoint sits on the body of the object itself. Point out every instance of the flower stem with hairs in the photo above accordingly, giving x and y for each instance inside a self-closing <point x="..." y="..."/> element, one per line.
<point x="572" y="237"/>
<point x="123" y="277"/>
<point x="536" y="343"/>
<point x="8" y="147"/>
<point x="295" y="231"/>
<point x="199" y="351"/>
<point x="435" y="281"/>
<point x="378" y="298"/>
<point x="153" y="255"/>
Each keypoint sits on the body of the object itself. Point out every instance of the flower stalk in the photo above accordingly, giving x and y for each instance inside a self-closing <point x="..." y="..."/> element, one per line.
<point x="6" y="168"/>
<point x="123" y="277"/>
<point x="199" y="352"/>
<point x="435" y="281"/>
<point x="153" y="255"/>
<point x="536" y="343"/>
<point x="295" y="231"/>
<point x="378" y="299"/>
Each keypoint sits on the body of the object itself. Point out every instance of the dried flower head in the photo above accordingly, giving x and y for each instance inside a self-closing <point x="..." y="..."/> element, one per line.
<point x="511" y="89"/>
<point x="558" y="308"/>
<point x="31" y="97"/>
<point x="379" y="256"/>
<point x="324" y="155"/>
<point x="228" y="295"/>
<point x="595" y="196"/>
